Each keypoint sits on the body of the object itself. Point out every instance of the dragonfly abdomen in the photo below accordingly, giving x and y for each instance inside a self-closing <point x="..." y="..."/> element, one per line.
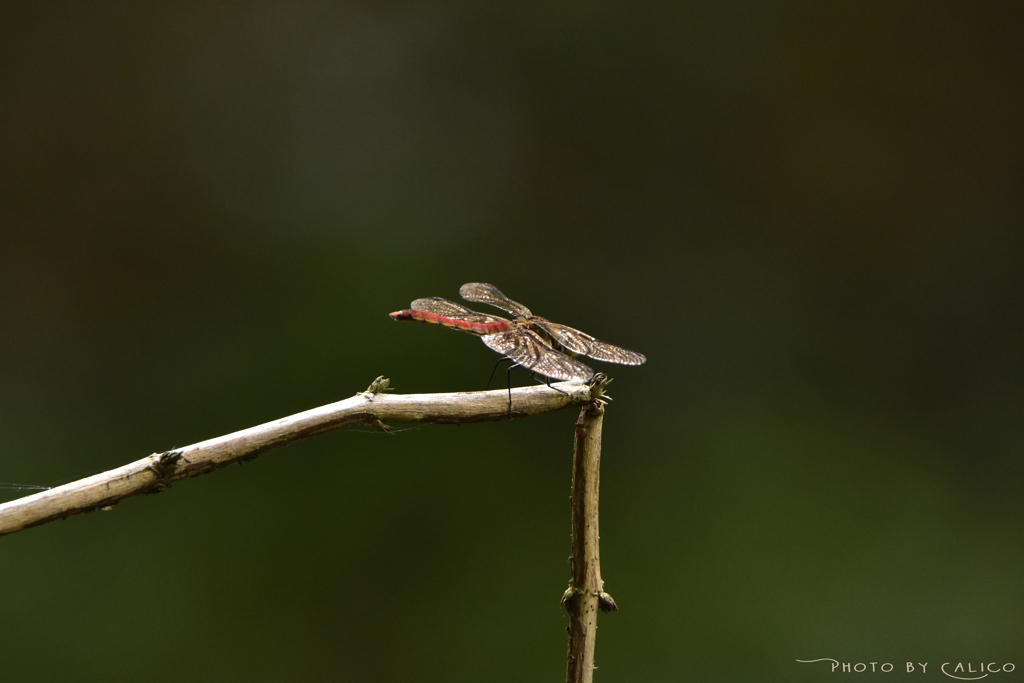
<point x="454" y="323"/>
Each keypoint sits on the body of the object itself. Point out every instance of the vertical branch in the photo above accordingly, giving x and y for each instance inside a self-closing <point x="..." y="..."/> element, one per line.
<point x="585" y="594"/>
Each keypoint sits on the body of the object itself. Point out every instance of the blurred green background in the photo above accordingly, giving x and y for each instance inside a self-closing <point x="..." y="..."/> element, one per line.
<point x="807" y="215"/>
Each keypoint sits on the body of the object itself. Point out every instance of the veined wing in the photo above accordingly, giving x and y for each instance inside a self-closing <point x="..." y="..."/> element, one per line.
<point x="483" y="293"/>
<point x="585" y="345"/>
<point x="450" y="309"/>
<point x="530" y="351"/>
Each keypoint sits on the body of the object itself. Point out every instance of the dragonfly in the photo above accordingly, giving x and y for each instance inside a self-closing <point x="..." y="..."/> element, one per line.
<point x="528" y="340"/>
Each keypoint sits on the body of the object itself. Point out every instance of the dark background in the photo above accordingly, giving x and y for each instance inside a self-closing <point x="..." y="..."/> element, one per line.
<point x="807" y="215"/>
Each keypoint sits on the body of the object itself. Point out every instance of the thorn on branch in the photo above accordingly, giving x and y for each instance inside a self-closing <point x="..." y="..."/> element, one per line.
<point x="606" y="602"/>
<point x="570" y="597"/>
<point x="379" y="385"/>
<point x="163" y="466"/>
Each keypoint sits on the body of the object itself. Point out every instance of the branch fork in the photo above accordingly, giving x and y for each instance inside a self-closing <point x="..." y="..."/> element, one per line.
<point x="156" y="472"/>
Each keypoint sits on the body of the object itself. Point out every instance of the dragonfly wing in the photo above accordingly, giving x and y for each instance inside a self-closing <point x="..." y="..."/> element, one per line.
<point x="530" y="351"/>
<point x="450" y="309"/>
<point x="585" y="345"/>
<point x="483" y="293"/>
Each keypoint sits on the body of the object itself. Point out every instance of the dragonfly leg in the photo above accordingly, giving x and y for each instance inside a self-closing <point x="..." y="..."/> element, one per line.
<point x="500" y="361"/>
<point x="509" y="375"/>
<point x="547" y="381"/>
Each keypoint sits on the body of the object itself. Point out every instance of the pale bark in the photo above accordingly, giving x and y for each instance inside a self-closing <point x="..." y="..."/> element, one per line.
<point x="156" y="472"/>
<point x="585" y="595"/>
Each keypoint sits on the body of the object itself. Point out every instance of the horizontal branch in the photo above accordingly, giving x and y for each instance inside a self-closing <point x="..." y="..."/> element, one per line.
<point x="155" y="472"/>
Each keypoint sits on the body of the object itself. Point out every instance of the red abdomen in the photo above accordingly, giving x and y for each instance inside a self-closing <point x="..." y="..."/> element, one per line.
<point x="454" y="323"/>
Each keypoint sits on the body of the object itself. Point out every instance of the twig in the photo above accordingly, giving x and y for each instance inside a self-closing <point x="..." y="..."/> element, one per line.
<point x="585" y="594"/>
<point x="156" y="472"/>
